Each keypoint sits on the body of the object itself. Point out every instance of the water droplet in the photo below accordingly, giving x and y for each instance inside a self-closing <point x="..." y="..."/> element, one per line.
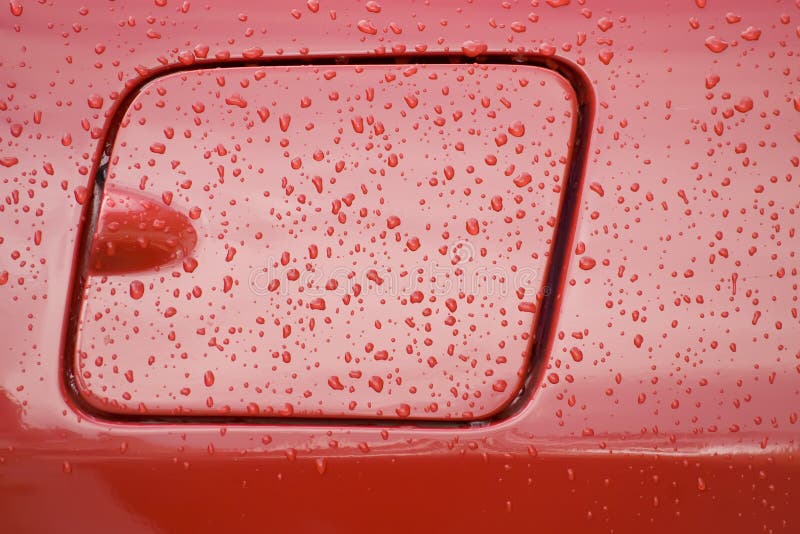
<point x="136" y="289"/>
<point x="751" y="34"/>
<point x="473" y="48"/>
<point x="715" y="44"/>
<point x="364" y="26"/>
<point x="208" y="378"/>
<point x="744" y="104"/>
<point x="517" y="129"/>
<point x="95" y="101"/>
<point x="81" y="194"/>
<point x="16" y="7"/>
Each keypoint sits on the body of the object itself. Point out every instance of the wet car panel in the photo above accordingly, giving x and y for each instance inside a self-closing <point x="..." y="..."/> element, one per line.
<point x="664" y="397"/>
<point x="371" y="241"/>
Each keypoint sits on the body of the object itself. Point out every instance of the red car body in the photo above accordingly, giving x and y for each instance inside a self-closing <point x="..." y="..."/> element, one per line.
<point x="661" y="390"/>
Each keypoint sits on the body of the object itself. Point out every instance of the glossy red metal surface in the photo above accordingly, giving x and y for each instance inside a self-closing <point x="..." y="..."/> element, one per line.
<point x="373" y="242"/>
<point x="668" y="386"/>
<point x="136" y="233"/>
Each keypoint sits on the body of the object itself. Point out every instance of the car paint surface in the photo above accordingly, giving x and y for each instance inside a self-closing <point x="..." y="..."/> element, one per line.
<point x="355" y="258"/>
<point x="668" y="382"/>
